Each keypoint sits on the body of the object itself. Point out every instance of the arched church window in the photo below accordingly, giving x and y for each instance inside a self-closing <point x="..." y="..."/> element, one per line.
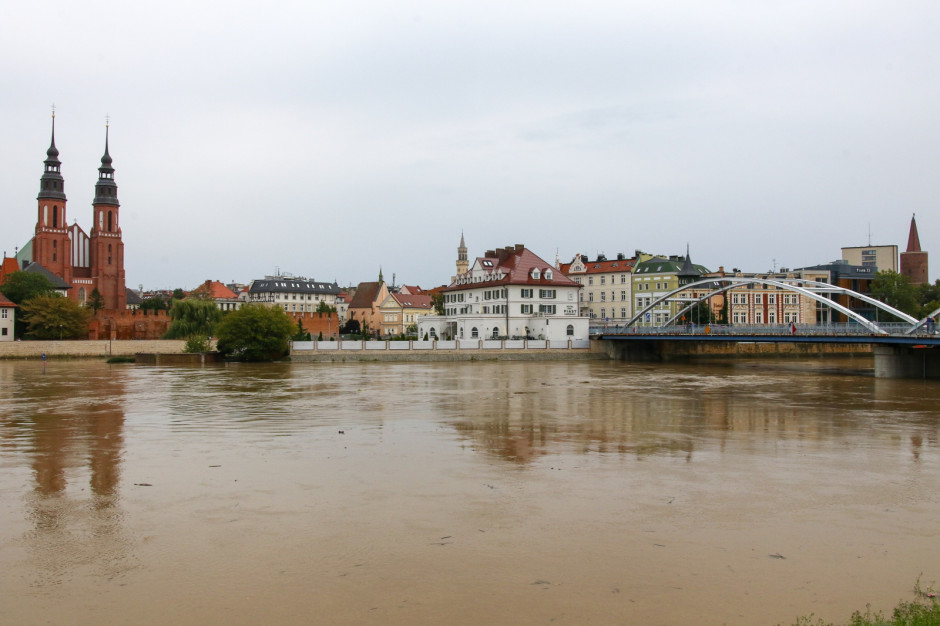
<point x="81" y="296"/>
<point x="110" y="222"/>
<point x="55" y="216"/>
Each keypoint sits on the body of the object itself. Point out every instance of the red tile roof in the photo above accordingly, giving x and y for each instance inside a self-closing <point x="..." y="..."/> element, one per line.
<point x="365" y="295"/>
<point x="412" y="301"/>
<point x="601" y="267"/>
<point x="513" y="266"/>
<point x="8" y="266"/>
<point x="4" y="301"/>
<point x="216" y="290"/>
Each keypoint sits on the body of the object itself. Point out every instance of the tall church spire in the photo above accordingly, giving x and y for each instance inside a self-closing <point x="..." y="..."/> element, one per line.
<point x="913" y="240"/>
<point x="52" y="185"/>
<point x="463" y="264"/>
<point x="105" y="188"/>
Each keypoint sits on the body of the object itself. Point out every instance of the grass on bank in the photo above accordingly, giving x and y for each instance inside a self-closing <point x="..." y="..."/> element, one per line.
<point x="923" y="610"/>
<point x="120" y="359"/>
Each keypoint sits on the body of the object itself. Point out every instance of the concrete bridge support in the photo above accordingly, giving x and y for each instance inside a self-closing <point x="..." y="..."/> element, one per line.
<point x="906" y="362"/>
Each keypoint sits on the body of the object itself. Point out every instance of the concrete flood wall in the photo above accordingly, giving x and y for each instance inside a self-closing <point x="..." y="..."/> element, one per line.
<point x="454" y="350"/>
<point x="99" y="348"/>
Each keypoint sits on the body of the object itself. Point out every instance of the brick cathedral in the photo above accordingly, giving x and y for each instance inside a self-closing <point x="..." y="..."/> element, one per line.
<point x="85" y="262"/>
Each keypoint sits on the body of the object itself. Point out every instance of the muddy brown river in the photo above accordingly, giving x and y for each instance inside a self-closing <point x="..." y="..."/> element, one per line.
<point x="463" y="493"/>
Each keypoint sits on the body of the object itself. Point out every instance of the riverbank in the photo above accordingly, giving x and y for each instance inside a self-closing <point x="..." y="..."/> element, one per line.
<point x="371" y="351"/>
<point x="88" y="349"/>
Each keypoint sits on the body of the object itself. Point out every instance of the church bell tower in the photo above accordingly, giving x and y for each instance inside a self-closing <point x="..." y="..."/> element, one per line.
<point x="106" y="248"/>
<point x="51" y="244"/>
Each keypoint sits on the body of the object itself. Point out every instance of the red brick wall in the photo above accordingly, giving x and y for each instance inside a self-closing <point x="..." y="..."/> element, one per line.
<point x="316" y="323"/>
<point x="128" y="324"/>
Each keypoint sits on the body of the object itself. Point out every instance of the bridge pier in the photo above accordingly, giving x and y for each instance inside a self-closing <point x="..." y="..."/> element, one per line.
<point x="906" y="362"/>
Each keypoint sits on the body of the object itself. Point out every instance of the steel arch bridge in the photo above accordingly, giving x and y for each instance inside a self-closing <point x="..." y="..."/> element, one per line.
<point x="812" y="289"/>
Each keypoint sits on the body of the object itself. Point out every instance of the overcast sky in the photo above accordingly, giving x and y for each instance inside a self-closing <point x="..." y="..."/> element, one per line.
<point x="329" y="139"/>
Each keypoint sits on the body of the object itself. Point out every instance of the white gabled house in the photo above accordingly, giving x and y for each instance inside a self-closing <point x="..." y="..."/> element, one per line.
<point x="7" y="316"/>
<point x="509" y="293"/>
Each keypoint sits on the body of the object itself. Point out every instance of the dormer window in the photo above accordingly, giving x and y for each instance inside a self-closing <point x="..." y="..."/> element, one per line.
<point x="535" y="273"/>
<point x="548" y="274"/>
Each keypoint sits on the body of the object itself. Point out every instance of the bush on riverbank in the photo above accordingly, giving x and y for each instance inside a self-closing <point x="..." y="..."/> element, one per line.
<point x="254" y="332"/>
<point x="923" y="610"/>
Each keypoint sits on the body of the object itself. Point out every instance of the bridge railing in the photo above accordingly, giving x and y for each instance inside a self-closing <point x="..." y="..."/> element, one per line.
<point x="749" y="329"/>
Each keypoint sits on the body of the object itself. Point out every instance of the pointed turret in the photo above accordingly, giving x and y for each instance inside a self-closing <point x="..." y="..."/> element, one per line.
<point x="914" y="261"/>
<point x="463" y="264"/>
<point x="106" y="189"/>
<point x="52" y="185"/>
<point x="913" y="240"/>
<point x="688" y="273"/>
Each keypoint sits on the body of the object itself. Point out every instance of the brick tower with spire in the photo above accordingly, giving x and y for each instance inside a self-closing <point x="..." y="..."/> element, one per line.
<point x="51" y="244"/>
<point x="914" y="260"/>
<point x="106" y="248"/>
<point x="84" y="262"/>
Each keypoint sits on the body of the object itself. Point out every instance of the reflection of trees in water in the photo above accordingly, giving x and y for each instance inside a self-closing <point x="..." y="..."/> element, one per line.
<point x="70" y="424"/>
<point x="644" y="411"/>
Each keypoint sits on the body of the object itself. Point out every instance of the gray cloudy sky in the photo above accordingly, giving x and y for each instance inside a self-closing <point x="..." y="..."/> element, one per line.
<point x="331" y="138"/>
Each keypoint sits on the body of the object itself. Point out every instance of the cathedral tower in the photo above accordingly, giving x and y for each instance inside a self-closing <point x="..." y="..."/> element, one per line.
<point x="51" y="243"/>
<point x="106" y="248"/>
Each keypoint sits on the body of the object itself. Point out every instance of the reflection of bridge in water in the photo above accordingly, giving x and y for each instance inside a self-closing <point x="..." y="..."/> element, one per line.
<point x="897" y="355"/>
<point x="903" y="348"/>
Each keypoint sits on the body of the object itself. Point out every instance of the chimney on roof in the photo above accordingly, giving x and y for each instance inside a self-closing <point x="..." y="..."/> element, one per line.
<point x="520" y="247"/>
<point x="620" y="256"/>
<point x="489" y="254"/>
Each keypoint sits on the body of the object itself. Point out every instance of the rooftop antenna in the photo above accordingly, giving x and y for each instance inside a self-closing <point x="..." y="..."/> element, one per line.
<point x="869" y="233"/>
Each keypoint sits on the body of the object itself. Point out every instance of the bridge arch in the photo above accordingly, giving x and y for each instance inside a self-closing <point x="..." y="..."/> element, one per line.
<point x="814" y="293"/>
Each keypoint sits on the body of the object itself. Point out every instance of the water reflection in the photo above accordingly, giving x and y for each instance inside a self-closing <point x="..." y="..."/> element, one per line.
<point x="678" y="410"/>
<point x="70" y="428"/>
<point x="358" y="487"/>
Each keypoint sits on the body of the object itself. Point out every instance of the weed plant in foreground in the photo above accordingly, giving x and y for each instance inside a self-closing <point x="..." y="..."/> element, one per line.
<point x="923" y="610"/>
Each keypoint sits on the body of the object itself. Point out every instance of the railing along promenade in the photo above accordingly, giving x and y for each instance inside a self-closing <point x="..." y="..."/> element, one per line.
<point x="347" y="345"/>
<point x="893" y="333"/>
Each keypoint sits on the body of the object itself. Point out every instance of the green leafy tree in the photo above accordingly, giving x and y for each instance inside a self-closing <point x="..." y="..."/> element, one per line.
<point x="351" y="327"/>
<point x="197" y="343"/>
<point x="254" y="332"/>
<point x="193" y="317"/>
<point x="323" y="307"/>
<point x="929" y="296"/>
<point x="22" y="286"/>
<point x="154" y="303"/>
<point x="95" y="301"/>
<point x="437" y="302"/>
<point x="895" y="290"/>
<point x="54" y="317"/>
<point x="178" y="294"/>
<point x="301" y="334"/>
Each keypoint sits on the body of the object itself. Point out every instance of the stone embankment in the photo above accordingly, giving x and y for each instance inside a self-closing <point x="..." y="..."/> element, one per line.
<point x="455" y="350"/>
<point x="473" y="350"/>
<point x="87" y="348"/>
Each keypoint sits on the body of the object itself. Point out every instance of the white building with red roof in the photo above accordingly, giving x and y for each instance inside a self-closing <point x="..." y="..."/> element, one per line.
<point x="7" y="316"/>
<point x="509" y="293"/>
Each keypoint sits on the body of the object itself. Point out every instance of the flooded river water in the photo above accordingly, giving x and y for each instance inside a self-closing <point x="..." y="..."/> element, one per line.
<point x="463" y="493"/>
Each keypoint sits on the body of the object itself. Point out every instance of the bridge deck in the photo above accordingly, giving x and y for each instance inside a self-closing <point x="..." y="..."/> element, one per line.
<point x="891" y="340"/>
